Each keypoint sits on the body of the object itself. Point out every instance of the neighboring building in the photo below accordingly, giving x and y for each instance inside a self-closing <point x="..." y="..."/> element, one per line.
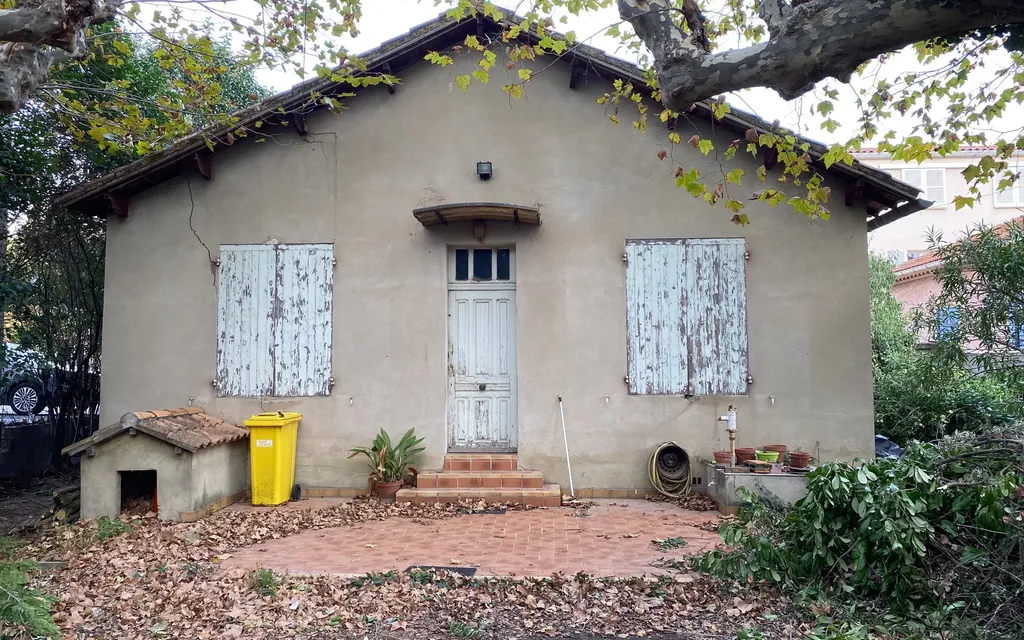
<point x="940" y="180"/>
<point x="362" y="273"/>
<point x="916" y="285"/>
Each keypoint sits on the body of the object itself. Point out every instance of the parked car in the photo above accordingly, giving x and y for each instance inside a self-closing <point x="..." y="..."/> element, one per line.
<point x="28" y="384"/>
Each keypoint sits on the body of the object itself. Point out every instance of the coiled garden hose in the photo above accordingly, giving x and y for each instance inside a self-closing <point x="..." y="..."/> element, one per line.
<point x="669" y="469"/>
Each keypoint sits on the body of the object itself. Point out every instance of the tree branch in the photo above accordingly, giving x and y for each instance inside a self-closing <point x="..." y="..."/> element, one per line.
<point x="810" y="41"/>
<point x="38" y="37"/>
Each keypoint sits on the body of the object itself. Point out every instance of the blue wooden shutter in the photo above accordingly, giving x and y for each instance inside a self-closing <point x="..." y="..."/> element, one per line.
<point x="655" y="346"/>
<point x="303" y="328"/>
<point x="245" y="333"/>
<point x="716" y="316"/>
<point x="947" y="320"/>
<point x="686" y="316"/>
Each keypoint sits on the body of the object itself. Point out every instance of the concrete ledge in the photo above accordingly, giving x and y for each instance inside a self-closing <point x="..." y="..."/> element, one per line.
<point x="193" y="516"/>
<point x="332" y="492"/>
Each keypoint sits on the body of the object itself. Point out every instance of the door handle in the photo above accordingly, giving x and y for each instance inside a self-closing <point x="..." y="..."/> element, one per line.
<point x="483" y="387"/>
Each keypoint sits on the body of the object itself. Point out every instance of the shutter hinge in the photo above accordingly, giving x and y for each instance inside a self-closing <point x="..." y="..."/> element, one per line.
<point x="214" y="383"/>
<point x="746" y="255"/>
<point x="750" y="379"/>
<point x="334" y="262"/>
<point x="625" y="258"/>
<point x="626" y="379"/>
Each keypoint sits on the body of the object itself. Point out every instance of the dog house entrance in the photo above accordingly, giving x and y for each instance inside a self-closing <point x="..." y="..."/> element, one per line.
<point x="138" y="491"/>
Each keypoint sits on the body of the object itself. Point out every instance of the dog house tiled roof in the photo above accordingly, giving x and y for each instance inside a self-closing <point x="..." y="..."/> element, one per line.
<point x="189" y="428"/>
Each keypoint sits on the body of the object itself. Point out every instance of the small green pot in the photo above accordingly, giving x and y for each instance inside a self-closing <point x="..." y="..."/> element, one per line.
<point x="768" y="456"/>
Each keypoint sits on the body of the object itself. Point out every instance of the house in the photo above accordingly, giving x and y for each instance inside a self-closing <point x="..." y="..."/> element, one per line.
<point x="915" y="286"/>
<point x="941" y="180"/>
<point x="457" y="262"/>
<point x="179" y="462"/>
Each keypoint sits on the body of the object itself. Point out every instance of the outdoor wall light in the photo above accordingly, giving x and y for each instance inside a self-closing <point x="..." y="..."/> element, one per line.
<point x="483" y="169"/>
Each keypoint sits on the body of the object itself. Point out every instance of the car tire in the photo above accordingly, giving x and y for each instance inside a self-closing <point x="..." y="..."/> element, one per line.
<point x="25" y="399"/>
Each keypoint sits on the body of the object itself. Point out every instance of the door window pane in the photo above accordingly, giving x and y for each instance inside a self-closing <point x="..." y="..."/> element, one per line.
<point x="503" y="266"/>
<point x="462" y="264"/>
<point x="481" y="264"/>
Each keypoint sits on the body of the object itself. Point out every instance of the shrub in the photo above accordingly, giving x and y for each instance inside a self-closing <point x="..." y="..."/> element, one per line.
<point x="23" y="610"/>
<point x="934" y="537"/>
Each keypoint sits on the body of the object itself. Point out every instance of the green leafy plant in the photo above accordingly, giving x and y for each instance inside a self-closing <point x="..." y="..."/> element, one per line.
<point x="669" y="543"/>
<point x="924" y="395"/>
<point x="112" y="527"/>
<point x="263" y="582"/>
<point x="390" y="462"/>
<point x="933" y="539"/>
<point x="459" y="629"/>
<point x="26" y="611"/>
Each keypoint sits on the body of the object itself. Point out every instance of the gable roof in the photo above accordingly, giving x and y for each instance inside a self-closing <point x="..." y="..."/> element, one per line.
<point x="886" y="198"/>
<point x="188" y="428"/>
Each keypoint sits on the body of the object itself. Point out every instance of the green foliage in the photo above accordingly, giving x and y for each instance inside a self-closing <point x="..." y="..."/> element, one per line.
<point x="459" y="629"/>
<point x="664" y="544"/>
<point x="263" y="582"/>
<point x="982" y="278"/>
<point x="917" y="394"/>
<point x="935" y="536"/>
<point x="390" y="462"/>
<point x="22" y="608"/>
<point x="111" y="528"/>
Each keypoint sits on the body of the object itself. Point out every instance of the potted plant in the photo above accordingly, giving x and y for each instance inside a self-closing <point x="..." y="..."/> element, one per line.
<point x="390" y="462"/>
<point x="799" y="459"/>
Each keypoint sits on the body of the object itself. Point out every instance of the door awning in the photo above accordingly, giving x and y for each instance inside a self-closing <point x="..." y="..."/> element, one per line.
<point x="441" y="214"/>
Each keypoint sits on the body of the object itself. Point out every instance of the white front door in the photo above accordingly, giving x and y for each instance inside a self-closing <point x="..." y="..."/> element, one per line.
<point x="481" y="350"/>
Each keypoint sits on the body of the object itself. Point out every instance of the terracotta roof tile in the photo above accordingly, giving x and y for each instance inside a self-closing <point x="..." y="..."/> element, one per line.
<point x="189" y="428"/>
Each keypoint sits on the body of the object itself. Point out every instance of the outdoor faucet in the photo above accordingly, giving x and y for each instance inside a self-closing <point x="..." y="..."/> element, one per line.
<point x="730" y="419"/>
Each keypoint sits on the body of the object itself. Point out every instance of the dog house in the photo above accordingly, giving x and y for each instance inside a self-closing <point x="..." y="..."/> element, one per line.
<point x="184" y="462"/>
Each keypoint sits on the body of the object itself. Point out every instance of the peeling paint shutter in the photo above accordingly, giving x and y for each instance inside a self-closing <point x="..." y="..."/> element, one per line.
<point x="656" y="346"/>
<point x="716" y="316"/>
<point x="245" y="333"/>
<point x="305" y="285"/>
<point x="686" y="316"/>
<point x="274" y="328"/>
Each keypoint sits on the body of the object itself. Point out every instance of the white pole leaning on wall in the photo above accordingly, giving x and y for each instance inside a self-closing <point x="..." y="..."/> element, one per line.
<point x="565" y="438"/>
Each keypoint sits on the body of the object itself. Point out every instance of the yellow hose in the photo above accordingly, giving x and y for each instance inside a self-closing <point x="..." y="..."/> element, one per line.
<point x="672" y="477"/>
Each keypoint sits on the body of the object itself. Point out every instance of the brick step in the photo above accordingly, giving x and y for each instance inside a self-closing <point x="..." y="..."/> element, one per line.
<point x="550" y="495"/>
<point x="480" y="480"/>
<point x="481" y="462"/>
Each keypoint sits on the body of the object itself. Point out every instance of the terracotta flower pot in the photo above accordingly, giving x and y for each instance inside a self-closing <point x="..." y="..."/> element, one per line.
<point x="744" y="453"/>
<point x="780" y="448"/>
<point x="723" y="457"/>
<point x="799" y="459"/>
<point x="387" y="490"/>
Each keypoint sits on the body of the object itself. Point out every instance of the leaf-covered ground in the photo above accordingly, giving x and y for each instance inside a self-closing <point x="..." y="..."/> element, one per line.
<point x="164" y="580"/>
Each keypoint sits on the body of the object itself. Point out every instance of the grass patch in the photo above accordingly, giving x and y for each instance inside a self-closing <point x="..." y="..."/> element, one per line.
<point x="111" y="528"/>
<point x="669" y="543"/>
<point x="21" y="606"/>
<point x="263" y="582"/>
<point x="459" y="629"/>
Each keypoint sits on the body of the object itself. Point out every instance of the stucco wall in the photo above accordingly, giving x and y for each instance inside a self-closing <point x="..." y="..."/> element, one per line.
<point x="101" y="485"/>
<point x="355" y="182"/>
<point x="219" y="472"/>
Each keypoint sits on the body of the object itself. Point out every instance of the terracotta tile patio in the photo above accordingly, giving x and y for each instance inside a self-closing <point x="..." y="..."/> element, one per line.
<point x="614" y="540"/>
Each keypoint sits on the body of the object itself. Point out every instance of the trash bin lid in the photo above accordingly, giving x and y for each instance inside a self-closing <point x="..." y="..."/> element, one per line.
<point x="273" y="419"/>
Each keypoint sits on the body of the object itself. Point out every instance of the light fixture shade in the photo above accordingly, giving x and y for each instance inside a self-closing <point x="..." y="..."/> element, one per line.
<point x="483" y="169"/>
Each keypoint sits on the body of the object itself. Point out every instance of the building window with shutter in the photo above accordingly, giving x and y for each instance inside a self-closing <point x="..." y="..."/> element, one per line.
<point x="274" y="320"/>
<point x="931" y="182"/>
<point x="686" y="316"/>
<point x="947" y="323"/>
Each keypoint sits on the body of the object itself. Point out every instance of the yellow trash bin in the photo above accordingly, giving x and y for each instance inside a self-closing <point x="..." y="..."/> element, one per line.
<point x="272" y="438"/>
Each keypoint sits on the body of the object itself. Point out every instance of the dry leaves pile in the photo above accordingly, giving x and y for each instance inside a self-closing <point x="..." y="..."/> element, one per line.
<point x="692" y="501"/>
<point x="163" y="580"/>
